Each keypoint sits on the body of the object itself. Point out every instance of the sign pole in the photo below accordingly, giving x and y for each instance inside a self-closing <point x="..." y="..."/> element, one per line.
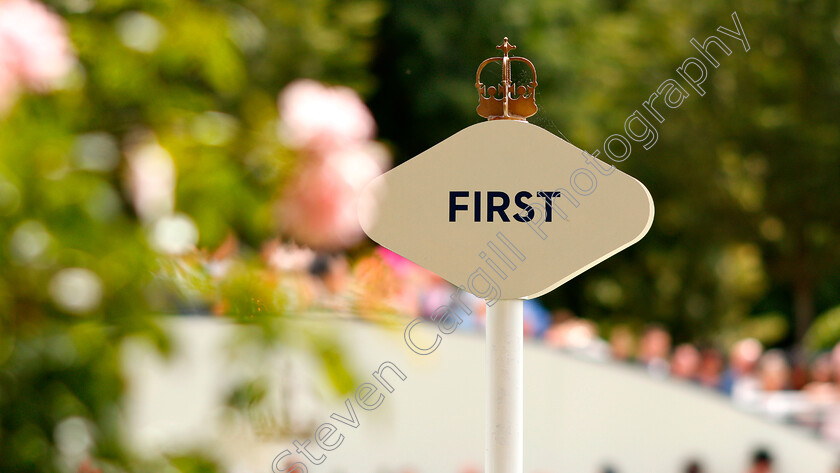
<point x="504" y="361"/>
<point x="503" y="442"/>
<point x="493" y="190"/>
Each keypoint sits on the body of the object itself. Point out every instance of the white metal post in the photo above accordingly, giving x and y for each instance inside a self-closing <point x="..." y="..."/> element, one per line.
<point x="504" y="433"/>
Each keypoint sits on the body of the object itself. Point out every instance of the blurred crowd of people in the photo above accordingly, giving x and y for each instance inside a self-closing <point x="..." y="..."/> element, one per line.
<point x="785" y="386"/>
<point x="781" y="385"/>
<point x="759" y="461"/>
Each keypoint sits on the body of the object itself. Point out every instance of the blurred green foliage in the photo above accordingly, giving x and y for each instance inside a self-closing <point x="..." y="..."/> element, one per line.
<point x="743" y="178"/>
<point x="201" y="79"/>
<point x="825" y="331"/>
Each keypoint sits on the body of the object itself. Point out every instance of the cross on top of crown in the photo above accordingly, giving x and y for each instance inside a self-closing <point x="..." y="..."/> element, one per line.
<point x="506" y="46"/>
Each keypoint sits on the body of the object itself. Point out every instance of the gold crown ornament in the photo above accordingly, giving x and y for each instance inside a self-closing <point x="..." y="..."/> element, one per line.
<point x="506" y="101"/>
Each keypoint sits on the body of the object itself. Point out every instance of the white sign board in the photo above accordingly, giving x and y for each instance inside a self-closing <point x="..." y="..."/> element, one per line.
<point x="505" y="210"/>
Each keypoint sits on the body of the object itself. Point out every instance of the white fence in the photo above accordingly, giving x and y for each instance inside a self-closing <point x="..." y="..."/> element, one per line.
<point x="579" y="415"/>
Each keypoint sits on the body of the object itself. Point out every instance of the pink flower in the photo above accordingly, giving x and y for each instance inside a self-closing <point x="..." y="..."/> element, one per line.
<point x="405" y="268"/>
<point x="397" y="263"/>
<point x="35" y="49"/>
<point x="322" y="118"/>
<point x="8" y="81"/>
<point x="151" y="180"/>
<point x="319" y="203"/>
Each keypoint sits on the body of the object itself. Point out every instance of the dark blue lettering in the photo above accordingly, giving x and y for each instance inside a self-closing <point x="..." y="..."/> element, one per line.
<point x="548" y="196"/>
<point x="520" y="202"/>
<point x="454" y="206"/>
<point x="499" y="209"/>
